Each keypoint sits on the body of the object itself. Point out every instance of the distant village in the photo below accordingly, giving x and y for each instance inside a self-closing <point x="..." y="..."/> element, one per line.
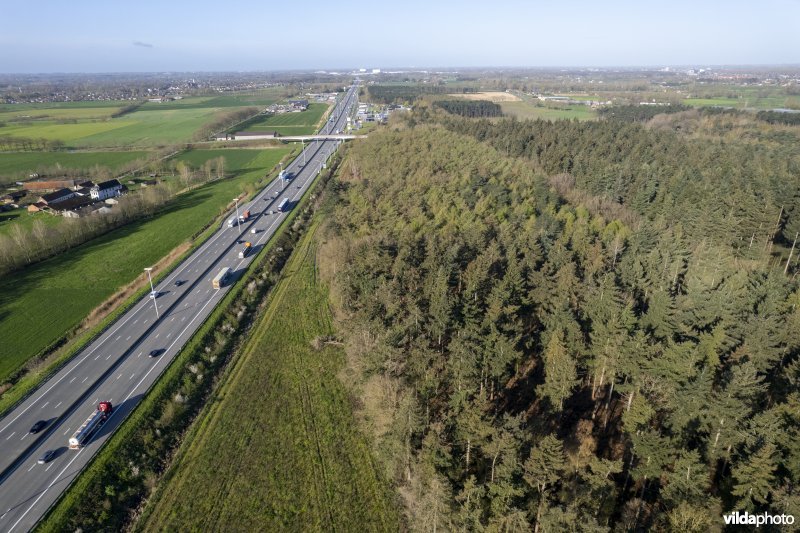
<point x="68" y="198"/>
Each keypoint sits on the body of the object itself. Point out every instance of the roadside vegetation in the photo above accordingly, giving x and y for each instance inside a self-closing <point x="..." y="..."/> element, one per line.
<point x="290" y="456"/>
<point x="18" y="166"/>
<point x="45" y="301"/>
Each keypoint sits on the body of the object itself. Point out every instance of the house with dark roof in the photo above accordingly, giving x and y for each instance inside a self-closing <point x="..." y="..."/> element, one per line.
<point x="107" y="189"/>
<point x="57" y="196"/>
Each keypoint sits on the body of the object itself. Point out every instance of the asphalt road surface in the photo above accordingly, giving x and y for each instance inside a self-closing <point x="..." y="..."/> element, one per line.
<point x="116" y="367"/>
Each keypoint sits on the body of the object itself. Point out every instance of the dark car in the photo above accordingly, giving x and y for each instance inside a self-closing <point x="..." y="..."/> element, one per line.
<point x="46" y="457"/>
<point x="179" y="282"/>
<point x="155" y="353"/>
<point x="38" y="426"/>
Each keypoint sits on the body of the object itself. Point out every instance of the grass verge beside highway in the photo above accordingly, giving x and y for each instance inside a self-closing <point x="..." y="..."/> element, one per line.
<point x="287" y="457"/>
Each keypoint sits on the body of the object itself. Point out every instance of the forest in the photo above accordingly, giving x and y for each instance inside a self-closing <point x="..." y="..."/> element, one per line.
<point x="405" y="94"/>
<point x="571" y="326"/>
<point x="470" y="108"/>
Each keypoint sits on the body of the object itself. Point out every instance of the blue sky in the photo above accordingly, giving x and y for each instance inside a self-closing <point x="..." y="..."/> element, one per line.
<point x="146" y="36"/>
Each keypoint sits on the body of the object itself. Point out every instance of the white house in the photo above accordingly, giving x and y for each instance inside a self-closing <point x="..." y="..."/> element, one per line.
<point x="106" y="189"/>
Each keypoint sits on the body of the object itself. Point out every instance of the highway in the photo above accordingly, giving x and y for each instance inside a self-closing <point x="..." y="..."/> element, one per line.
<point x="116" y="366"/>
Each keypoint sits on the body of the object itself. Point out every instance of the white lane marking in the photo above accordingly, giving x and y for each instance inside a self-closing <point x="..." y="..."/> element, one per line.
<point x="67" y="431"/>
<point x="32" y="467"/>
<point x="109" y="357"/>
<point x="171" y="319"/>
<point x="45" y="404"/>
<point x="11" y="435"/>
<point x="129" y="338"/>
<point x="23" y="436"/>
<point x="140" y="354"/>
<point x="59" y="403"/>
<point x="118" y="336"/>
<point x="84" y="379"/>
<point x="119" y="376"/>
<point x="98" y="357"/>
<point x="183" y="319"/>
<point x="131" y="376"/>
<point x="73" y="379"/>
<point x="157" y="334"/>
<point x="48" y="467"/>
<point x="135" y="321"/>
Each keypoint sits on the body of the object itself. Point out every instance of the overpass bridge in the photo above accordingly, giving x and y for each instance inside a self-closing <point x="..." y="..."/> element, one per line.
<point x="335" y="137"/>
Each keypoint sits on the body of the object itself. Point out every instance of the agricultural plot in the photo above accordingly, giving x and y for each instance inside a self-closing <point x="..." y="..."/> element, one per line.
<point x="12" y="164"/>
<point x="526" y="110"/>
<point x="304" y="123"/>
<point x="42" y="302"/>
<point x="278" y="450"/>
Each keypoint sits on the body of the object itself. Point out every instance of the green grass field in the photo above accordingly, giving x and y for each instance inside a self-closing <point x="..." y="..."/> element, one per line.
<point x="304" y="123"/>
<point x="26" y="162"/>
<point x="526" y="110"/>
<point x="41" y="303"/>
<point x="146" y="127"/>
<point x="278" y="450"/>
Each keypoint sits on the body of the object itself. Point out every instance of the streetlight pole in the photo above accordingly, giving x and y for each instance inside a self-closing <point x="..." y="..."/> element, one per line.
<point x="238" y="222"/>
<point x="152" y="290"/>
<point x="304" y="151"/>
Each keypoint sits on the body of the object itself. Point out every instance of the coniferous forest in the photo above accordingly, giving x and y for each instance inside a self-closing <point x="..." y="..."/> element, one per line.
<point x="573" y="326"/>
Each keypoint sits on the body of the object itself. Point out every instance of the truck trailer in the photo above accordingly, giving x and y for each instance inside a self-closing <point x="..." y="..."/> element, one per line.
<point x="221" y="278"/>
<point x="90" y="427"/>
<point x="284" y="205"/>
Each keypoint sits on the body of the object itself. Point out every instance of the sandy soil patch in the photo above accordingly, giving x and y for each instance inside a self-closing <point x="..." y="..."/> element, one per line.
<point x="492" y="96"/>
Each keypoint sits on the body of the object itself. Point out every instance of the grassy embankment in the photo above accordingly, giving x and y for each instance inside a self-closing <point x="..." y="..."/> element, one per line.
<point x="42" y="303"/>
<point x="278" y="450"/>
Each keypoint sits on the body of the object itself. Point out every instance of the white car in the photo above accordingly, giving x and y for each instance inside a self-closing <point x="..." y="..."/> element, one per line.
<point x="254" y="231"/>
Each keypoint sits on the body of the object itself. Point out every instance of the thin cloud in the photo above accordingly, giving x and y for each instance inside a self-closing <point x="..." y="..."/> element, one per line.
<point x="143" y="45"/>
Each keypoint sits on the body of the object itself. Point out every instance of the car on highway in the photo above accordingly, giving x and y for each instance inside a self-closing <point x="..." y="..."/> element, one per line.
<point x="155" y="353"/>
<point x="154" y="295"/>
<point x="254" y="231"/>
<point x="179" y="282"/>
<point x="46" y="457"/>
<point x="38" y="426"/>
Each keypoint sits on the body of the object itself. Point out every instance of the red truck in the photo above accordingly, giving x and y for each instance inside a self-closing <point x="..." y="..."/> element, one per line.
<point x="90" y="427"/>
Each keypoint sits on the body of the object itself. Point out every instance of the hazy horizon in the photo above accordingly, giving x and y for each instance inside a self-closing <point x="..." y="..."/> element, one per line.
<point x="254" y="37"/>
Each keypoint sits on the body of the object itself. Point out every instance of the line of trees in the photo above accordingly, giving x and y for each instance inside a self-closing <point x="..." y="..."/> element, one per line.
<point x="224" y="120"/>
<point x="639" y="113"/>
<point x="470" y="108"/>
<point x="526" y="363"/>
<point x="9" y="143"/>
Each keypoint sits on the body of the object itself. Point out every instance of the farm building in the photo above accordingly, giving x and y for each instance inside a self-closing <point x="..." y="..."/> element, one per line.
<point x="107" y="189"/>
<point x="57" y="196"/>
<point x="299" y="105"/>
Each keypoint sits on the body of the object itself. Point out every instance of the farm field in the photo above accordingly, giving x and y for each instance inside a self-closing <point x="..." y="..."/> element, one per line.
<point x="525" y="110"/>
<point x="140" y="128"/>
<point x="42" y="302"/>
<point x="14" y="163"/>
<point x="304" y="123"/>
<point x="278" y="450"/>
<point x="153" y="124"/>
